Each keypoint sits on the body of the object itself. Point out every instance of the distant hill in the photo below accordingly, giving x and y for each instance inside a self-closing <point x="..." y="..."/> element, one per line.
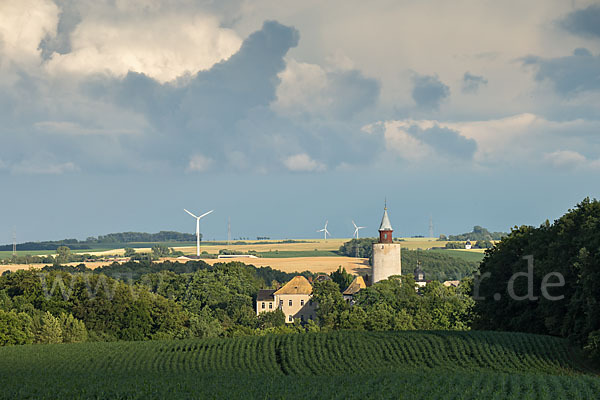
<point x="111" y="238"/>
<point x="478" y="233"/>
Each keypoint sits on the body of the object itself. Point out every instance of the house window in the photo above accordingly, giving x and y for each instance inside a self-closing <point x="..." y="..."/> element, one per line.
<point x="263" y="305"/>
<point x="290" y="303"/>
<point x="290" y="318"/>
<point x="301" y="302"/>
<point x="270" y="306"/>
<point x="280" y="303"/>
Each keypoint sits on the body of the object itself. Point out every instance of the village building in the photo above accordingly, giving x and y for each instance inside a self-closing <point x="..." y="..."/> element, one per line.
<point x="294" y="299"/>
<point x="356" y="286"/>
<point x="419" y="276"/>
<point x="468" y="245"/>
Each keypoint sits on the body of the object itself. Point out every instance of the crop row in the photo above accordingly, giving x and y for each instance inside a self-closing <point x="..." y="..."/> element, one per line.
<point x="308" y="354"/>
<point x="415" y="384"/>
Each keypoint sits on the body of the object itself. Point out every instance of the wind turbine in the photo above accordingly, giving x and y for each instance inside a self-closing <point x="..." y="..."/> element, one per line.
<point x="325" y="231"/>
<point x="198" y="228"/>
<point x="356" y="229"/>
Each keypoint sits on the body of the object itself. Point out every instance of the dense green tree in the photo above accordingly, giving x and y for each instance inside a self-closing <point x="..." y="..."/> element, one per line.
<point x="49" y="329"/>
<point x="342" y="278"/>
<point x="545" y="279"/>
<point x="15" y="328"/>
<point x="271" y="319"/>
<point x="73" y="330"/>
<point x="330" y="303"/>
<point x="160" y="250"/>
<point x="129" y="252"/>
<point x="63" y="254"/>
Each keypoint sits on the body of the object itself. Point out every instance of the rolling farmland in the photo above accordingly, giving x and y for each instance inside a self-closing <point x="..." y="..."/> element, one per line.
<point x="315" y="255"/>
<point x="333" y="365"/>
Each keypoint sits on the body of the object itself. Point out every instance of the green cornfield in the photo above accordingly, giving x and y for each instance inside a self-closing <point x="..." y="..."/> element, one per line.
<point x="411" y="365"/>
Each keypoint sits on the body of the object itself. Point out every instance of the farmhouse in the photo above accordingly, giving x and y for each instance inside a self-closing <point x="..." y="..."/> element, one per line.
<point x="294" y="299"/>
<point x="356" y="286"/>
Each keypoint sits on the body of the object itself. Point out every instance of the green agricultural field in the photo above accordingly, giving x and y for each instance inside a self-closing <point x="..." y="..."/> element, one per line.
<point x="343" y="365"/>
<point x="462" y="254"/>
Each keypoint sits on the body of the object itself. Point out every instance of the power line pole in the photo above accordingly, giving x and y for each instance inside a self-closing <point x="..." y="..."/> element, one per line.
<point x="430" y="226"/>
<point x="228" y="231"/>
<point x="14" y="253"/>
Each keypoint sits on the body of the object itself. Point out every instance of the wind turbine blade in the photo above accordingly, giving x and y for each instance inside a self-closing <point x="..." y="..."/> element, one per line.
<point x="321" y="230"/>
<point x="326" y="222"/>
<point x="205" y="214"/>
<point x="354" y="224"/>
<point x="189" y="213"/>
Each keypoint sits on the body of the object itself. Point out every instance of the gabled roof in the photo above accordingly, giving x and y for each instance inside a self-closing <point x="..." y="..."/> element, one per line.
<point x="298" y="285"/>
<point x="385" y="222"/>
<point x="265" y="295"/>
<point x="357" y="284"/>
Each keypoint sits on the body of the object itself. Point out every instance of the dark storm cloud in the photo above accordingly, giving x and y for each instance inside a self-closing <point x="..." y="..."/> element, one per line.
<point x="428" y="91"/>
<point x="471" y="83"/>
<point x="224" y="113"/>
<point x="569" y="75"/>
<point x="584" y="22"/>
<point x="353" y="92"/>
<point x="69" y="18"/>
<point x="445" y="141"/>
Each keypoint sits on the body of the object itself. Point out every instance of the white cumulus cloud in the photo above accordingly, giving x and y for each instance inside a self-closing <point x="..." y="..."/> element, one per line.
<point x="23" y="24"/>
<point x="302" y="163"/>
<point x="43" y="165"/>
<point x="199" y="163"/>
<point x="163" y="44"/>
<point x="569" y="159"/>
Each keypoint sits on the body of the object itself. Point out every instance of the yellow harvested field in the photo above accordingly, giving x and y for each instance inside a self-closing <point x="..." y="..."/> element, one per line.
<point x="317" y="244"/>
<point x="297" y="264"/>
<point x="329" y="245"/>
<point x="313" y="264"/>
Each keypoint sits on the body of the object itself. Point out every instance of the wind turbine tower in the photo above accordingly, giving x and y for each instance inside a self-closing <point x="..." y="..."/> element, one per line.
<point x="198" y="228"/>
<point x="356" y="229"/>
<point x="325" y="231"/>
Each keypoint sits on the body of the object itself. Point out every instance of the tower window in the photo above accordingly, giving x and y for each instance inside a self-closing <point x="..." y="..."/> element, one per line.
<point x="290" y="319"/>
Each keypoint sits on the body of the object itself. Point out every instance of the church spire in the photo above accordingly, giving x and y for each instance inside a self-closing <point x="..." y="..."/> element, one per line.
<point x="385" y="228"/>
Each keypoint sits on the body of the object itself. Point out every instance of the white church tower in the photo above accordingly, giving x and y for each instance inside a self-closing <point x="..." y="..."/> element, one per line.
<point x="386" y="253"/>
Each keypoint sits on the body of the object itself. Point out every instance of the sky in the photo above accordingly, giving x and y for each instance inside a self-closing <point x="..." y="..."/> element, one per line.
<point x="279" y="115"/>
